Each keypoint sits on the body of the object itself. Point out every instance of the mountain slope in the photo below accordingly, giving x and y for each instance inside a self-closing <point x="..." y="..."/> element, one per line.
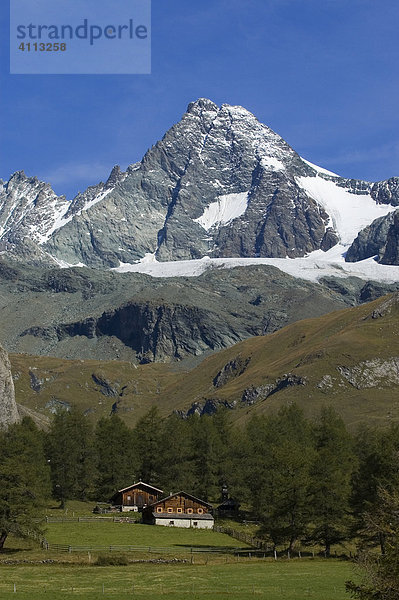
<point x="348" y="359"/>
<point x="92" y="314"/>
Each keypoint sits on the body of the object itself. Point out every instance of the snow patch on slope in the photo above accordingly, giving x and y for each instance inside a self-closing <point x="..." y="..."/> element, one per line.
<point x="269" y="162"/>
<point x="57" y="221"/>
<point x="224" y="210"/>
<point x="349" y="212"/>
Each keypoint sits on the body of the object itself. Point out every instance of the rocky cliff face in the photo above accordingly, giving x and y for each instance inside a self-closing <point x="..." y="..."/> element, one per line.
<point x="82" y="313"/>
<point x="380" y="239"/>
<point x="8" y="408"/>
<point x="386" y="192"/>
<point x="219" y="184"/>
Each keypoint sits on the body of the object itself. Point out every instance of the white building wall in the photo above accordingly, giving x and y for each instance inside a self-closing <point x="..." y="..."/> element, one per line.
<point x="187" y="523"/>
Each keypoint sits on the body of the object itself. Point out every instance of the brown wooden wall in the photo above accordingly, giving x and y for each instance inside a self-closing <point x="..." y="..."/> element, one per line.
<point x="181" y="504"/>
<point x="138" y="496"/>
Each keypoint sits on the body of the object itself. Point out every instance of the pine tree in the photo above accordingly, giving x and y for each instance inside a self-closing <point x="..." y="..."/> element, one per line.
<point x="377" y="453"/>
<point x="24" y="480"/>
<point x="380" y="572"/>
<point x="147" y="436"/>
<point x="196" y="454"/>
<point x="115" y="456"/>
<point x="331" y="480"/>
<point x="206" y="449"/>
<point x="224" y="450"/>
<point x="281" y="458"/>
<point x="238" y="466"/>
<point x="177" y="468"/>
<point x="70" y="451"/>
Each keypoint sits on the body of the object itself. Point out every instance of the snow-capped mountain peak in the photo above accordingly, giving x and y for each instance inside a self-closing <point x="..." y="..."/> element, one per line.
<point x="219" y="184"/>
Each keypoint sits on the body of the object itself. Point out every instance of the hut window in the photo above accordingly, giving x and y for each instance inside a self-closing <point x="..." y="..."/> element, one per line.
<point x="129" y="498"/>
<point x="195" y="524"/>
<point x="159" y="509"/>
<point x="151" y="497"/>
<point x="171" y="522"/>
<point x="170" y="509"/>
<point x="200" y="511"/>
<point x="189" y="511"/>
<point x="179" y="510"/>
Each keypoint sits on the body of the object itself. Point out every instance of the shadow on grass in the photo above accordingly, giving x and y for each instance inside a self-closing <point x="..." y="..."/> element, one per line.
<point x="210" y="548"/>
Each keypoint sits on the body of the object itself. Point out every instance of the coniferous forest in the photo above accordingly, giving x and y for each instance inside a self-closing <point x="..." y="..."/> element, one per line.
<point x="304" y="481"/>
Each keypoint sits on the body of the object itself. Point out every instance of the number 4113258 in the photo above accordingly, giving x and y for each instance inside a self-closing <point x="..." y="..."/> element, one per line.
<point x="42" y="47"/>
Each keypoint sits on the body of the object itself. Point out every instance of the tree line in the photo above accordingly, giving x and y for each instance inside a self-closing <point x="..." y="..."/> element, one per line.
<point x="308" y="481"/>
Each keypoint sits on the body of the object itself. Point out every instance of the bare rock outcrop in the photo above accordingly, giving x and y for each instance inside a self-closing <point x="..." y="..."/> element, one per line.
<point x="373" y="373"/>
<point x="8" y="408"/>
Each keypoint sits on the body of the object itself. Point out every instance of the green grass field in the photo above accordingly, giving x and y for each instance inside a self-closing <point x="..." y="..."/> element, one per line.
<point x="135" y="534"/>
<point x="282" y="580"/>
<point x="181" y="575"/>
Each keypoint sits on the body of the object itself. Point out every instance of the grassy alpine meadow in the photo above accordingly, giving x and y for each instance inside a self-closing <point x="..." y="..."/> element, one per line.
<point x="107" y="533"/>
<point x="289" y="580"/>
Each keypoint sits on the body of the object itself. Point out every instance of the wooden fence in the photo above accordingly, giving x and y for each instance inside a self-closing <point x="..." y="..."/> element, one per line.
<point x="150" y="549"/>
<point x="254" y="542"/>
<point x="116" y="519"/>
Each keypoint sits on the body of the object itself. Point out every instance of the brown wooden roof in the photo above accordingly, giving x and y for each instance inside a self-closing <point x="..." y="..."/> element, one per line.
<point x="130" y="487"/>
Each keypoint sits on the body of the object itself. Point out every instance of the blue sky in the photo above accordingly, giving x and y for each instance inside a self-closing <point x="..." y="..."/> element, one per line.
<point x="322" y="73"/>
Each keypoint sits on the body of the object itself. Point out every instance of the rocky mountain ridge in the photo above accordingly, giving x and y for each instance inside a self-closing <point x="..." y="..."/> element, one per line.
<point x="219" y="184"/>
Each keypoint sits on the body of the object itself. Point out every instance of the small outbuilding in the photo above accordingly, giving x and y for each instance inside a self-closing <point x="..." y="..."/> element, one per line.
<point x="180" y="510"/>
<point x="229" y="508"/>
<point x="136" y="497"/>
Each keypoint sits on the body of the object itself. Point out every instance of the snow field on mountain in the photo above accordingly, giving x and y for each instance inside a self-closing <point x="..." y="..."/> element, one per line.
<point x="224" y="210"/>
<point x="313" y="267"/>
<point x="349" y="213"/>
